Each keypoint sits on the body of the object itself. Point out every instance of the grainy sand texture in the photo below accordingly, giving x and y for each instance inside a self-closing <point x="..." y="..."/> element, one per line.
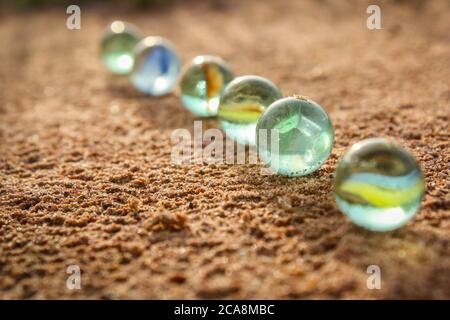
<point x="86" y="176"/>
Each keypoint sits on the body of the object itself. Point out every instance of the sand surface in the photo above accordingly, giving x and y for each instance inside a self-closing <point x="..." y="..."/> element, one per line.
<point x="86" y="176"/>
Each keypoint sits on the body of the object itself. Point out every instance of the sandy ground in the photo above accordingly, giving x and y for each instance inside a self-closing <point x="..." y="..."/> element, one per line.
<point x="86" y="176"/>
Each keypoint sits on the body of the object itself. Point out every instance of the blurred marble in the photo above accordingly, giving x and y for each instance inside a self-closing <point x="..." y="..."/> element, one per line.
<point x="378" y="185"/>
<point x="243" y="101"/>
<point x="202" y="84"/>
<point x="117" y="46"/>
<point x="157" y="66"/>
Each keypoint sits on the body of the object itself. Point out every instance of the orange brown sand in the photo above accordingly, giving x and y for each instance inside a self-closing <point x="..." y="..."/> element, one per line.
<point x="86" y="176"/>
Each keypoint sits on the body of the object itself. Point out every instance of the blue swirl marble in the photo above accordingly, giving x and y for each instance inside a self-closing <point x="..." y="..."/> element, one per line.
<point x="157" y="66"/>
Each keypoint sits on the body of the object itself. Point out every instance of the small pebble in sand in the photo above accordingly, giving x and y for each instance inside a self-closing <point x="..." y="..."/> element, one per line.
<point x="378" y="185"/>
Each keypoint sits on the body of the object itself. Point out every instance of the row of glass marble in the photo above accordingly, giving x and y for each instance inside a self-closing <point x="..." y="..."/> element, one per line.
<point x="208" y="88"/>
<point x="377" y="184"/>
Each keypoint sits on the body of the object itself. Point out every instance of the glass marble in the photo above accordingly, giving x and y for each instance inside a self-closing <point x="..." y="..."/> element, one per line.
<point x="294" y="136"/>
<point x="378" y="185"/>
<point x="117" y="46"/>
<point x="243" y="101"/>
<point x="157" y="66"/>
<point x="202" y="84"/>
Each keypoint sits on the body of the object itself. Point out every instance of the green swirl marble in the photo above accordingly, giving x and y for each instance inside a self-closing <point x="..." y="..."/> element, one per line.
<point x="303" y="137"/>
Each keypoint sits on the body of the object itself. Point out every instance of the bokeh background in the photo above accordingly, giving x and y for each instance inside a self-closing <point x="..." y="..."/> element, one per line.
<point x="86" y="177"/>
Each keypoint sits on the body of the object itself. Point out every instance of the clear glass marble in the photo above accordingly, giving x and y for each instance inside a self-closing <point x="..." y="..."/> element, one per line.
<point x="202" y="84"/>
<point x="378" y="185"/>
<point x="156" y="67"/>
<point x="294" y="136"/>
<point x="117" y="46"/>
<point x="243" y="101"/>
